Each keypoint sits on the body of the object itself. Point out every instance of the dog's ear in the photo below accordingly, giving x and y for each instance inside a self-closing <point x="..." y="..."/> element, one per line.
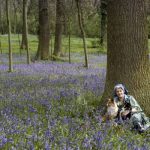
<point x="112" y="100"/>
<point x="108" y="101"/>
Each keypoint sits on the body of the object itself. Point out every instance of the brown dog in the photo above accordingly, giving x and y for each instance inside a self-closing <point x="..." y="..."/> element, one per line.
<point x="112" y="110"/>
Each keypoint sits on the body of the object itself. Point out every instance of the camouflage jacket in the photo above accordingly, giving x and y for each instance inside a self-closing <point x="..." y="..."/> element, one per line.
<point x="128" y="104"/>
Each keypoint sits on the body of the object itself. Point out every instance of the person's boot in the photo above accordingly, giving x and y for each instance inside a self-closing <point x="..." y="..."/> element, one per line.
<point x="140" y="127"/>
<point x="147" y="126"/>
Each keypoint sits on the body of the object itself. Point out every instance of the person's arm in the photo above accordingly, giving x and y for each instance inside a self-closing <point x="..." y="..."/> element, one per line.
<point x="134" y="105"/>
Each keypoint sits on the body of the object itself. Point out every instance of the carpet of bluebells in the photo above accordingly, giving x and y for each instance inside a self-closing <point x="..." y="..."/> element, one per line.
<point x="54" y="106"/>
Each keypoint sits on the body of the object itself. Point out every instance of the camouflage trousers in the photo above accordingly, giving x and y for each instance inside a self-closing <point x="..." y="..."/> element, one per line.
<point x="141" y="118"/>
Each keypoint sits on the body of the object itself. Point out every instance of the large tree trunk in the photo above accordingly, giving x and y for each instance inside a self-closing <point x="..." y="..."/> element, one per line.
<point x="0" y="19"/>
<point x="127" y="55"/>
<point x="24" y="37"/>
<point x="81" y="23"/>
<point x="58" y="29"/>
<point x="148" y="7"/>
<point x="9" y="36"/>
<point x="44" y="30"/>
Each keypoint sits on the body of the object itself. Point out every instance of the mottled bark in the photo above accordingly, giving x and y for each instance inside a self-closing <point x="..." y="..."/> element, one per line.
<point x="44" y="30"/>
<point x="148" y="6"/>
<point x="127" y="55"/>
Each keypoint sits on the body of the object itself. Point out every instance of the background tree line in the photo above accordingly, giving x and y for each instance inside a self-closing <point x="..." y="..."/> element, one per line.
<point x="69" y="10"/>
<point x="56" y="17"/>
<point x="92" y="17"/>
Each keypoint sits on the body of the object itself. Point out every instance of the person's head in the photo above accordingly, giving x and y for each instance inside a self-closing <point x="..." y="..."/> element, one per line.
<point x="120" y="90"/>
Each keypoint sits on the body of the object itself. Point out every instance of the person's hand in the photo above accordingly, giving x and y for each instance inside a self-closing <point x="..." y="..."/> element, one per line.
<point x="134" y="110"/>
<point x="126" y="112"/>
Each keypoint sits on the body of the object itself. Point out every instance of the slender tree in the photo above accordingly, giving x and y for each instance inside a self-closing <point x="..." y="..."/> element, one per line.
<point x="24" y="26"/>
<point x="25" y="3"/>
<point x="127" y="55"/>
<point x="44" y="31"/>
<point x="1" y="46"/>
<point x="81" y="25"/>
<point x="68" y="15"/>
<point x="58" y="29"/>
<point x="9" y="36"/>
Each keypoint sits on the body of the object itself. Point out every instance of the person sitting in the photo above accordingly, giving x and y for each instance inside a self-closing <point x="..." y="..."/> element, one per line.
<point x="128" y="107"/>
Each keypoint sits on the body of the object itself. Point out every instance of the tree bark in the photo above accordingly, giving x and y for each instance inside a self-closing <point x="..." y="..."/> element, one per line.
<point x="26" y="30"/>
<point x="58" y="29"/>
<point x="9" y="36"/>
<point x="81" y="23"/>
<point x="128" y="55"/>
<point x="44" y="31"/>
<point x="24" y="37"/>
<point x="0" y="19"/>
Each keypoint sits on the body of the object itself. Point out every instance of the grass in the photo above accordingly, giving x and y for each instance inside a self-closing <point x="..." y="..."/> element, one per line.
<point x="76" y="44"/>
<point x="51" y="105"/>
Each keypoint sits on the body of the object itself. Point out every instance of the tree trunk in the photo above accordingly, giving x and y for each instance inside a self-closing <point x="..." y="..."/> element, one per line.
<point x="69" y="39"/>
<point x="0" y="30"/>
<point x="24" y="37"/>
<point x="58" y="29"/>
<point x="51" y="46"/>
<point x="148" y="7"/>
<point x="15" y="17"/>
<point x="0" y="19"/>
<point x="44" y="30"/>
<point x="103" y="15"/>
<point x="9" y="36"/>
<point x="81" y="22"/>
<point x="1" y="46"/>
<point x="127" y="55"/>
<point x="26" y="30"/>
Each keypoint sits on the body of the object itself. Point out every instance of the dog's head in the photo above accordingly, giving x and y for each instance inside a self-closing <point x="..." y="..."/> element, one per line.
<point x="110" y="102"/>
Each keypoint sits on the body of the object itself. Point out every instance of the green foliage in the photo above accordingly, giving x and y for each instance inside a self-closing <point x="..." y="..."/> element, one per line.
<point x="92" y="26"/>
